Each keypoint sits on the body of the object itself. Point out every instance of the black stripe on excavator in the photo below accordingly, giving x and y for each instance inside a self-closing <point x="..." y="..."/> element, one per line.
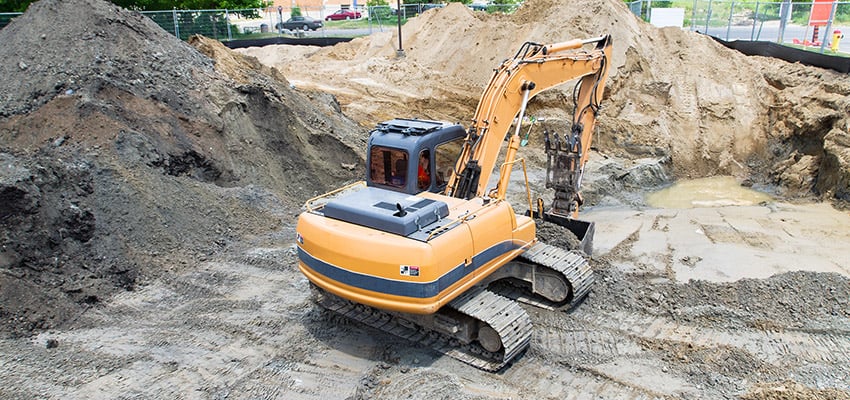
<point x="422" y="290"/>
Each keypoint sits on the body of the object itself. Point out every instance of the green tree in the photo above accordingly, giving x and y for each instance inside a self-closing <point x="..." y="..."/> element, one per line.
<point x="295" y="12"/>
<point x="379" y="9"/>
<point x="503" y="6"/>
<point x="14" y="5"/>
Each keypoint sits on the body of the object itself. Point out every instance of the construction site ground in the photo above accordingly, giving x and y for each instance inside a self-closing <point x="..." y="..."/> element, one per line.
<point x="149" y="192"/>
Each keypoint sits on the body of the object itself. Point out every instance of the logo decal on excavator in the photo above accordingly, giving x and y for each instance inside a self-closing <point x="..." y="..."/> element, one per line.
<point x="409" y="270"/>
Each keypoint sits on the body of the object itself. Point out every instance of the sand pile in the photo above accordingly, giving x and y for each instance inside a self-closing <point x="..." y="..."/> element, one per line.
<point x="673" y="94"/>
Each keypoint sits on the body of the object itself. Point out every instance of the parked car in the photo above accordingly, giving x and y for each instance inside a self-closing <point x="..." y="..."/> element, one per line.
<point x="300" y="22"/>
<point x="343" y="14"/>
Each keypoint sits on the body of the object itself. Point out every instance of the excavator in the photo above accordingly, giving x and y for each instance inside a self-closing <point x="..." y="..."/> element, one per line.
<point x="423" y="250"/>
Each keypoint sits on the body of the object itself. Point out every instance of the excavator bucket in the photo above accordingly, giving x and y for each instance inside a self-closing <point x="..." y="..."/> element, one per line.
<point x="583" y="230"/>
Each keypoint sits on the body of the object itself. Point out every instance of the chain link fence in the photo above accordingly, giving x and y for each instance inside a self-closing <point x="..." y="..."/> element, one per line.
<point x="258" y="23"/>
<point x="810" y="24"/>
<point x="227" y="25"/>
<point x="789" y="22"/>
<point x="381" y="18"/>
<point x="252" y="24"/>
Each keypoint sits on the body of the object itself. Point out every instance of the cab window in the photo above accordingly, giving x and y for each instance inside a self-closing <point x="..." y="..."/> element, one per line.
<point x="424" y="174"/>
<point x="445" y="157"/>
<point x="388" y="166"/>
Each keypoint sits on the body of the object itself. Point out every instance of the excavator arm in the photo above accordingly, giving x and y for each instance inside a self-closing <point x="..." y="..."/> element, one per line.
<point x="533" y="69"/>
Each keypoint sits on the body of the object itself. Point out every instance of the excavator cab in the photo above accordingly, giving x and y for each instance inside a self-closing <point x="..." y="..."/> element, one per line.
<point x="412" y="155"/>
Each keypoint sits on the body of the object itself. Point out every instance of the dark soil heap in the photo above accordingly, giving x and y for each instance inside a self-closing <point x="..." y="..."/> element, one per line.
<point x="58" y="47"/>
<point x="126" y="151"/>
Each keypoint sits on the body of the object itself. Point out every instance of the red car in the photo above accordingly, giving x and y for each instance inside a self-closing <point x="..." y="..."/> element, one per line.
<point x="343" y="14"/>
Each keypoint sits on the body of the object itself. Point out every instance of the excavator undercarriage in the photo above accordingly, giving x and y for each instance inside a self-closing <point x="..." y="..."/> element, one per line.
<point x="480" y="328"/>
<point x="485" y="327"/>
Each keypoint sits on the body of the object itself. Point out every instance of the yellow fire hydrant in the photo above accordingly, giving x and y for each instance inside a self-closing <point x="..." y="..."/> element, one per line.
<point x="836" y="38"/>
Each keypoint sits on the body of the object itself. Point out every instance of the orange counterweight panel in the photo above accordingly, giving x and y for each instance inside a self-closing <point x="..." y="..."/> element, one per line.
<point x="393" y="272"/>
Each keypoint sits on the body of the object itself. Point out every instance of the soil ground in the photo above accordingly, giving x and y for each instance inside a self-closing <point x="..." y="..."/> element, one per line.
<point x="150" y="188"/>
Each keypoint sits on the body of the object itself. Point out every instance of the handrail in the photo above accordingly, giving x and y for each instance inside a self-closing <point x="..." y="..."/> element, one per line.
<point x="309" y="206"/>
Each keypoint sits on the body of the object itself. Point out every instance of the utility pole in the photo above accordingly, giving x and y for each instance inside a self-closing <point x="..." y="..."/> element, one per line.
<point x="400" y="51"/>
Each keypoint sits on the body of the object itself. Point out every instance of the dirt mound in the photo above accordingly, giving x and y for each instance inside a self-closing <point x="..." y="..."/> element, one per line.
<point x="673" y="94"/>
<point x="56" y="50"/>
<point x="127" y="152"/>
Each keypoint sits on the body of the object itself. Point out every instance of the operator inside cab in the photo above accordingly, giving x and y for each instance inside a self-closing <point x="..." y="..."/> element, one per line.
<point x="424" y="170"/>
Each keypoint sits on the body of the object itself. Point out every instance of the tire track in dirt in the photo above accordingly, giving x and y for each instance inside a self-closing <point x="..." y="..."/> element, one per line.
<point x="243" y="327"/>
<point x="229" y="320"/>
<point x="691" y="359"/>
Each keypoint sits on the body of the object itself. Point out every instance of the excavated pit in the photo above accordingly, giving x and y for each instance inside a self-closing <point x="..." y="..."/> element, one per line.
<point x="149" y="189"/>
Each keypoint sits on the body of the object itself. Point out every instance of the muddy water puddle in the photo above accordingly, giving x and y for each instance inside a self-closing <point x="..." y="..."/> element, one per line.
<point x="716" y="191"/>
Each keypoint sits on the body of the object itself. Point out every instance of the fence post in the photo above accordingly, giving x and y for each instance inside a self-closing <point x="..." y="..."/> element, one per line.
<point x="707" y="17"/>
<point x="280" y="18"/>
<point x="176" y="24"/>
<point x="227" y="24"/>
<point x="828" y="34"/>
<point x="729" y="23"/>
<point x="694" y="16"/>
<point x="755" y="18"/>
<point x="784" y="14"/>
<point x="648" y="10"/>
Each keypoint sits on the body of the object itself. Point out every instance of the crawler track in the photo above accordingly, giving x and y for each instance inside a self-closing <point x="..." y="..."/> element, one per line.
<point x="510" y="322"/>
<point x="571" y="265"/>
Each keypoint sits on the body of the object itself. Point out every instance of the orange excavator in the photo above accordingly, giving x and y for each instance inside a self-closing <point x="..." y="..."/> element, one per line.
<point x="423" y="250"/>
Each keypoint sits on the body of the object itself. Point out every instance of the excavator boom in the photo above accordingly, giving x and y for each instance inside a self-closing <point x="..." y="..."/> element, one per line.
<point x="533" y="69"/>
